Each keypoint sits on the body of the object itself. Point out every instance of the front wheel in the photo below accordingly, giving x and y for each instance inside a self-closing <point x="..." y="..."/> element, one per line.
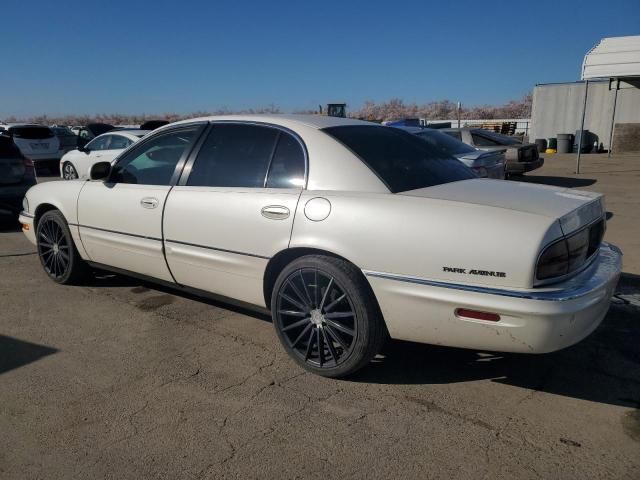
<point x="58" y="254"/>
<point x="69" y="171"/>
<point x="326" y="316"/>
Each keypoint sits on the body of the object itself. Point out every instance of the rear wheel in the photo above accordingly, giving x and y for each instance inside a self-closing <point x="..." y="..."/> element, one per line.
<point x="326" y="316"/>
<point x="69" y="171"/>
<point x="58" y="254"/>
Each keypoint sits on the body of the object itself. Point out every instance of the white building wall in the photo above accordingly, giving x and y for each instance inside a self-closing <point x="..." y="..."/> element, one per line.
<point x="557" y="108"/>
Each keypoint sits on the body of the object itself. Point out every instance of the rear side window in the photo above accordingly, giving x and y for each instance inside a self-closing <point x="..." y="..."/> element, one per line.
<point x="234" y="155"/>
<point x="401" y="160"/>
<point x="31" y="132"/>
<point x="287" y="166"/>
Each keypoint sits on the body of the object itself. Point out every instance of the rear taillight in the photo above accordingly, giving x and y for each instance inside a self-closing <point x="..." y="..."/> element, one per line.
<point x="28" y="165"/>
<point x="554" y="261"/>
<point x="480" y="171"/>
<point x="570" y="253"/>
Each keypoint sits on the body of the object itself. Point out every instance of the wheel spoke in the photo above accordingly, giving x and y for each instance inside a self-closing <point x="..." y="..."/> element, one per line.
<point x="338" y="315"/>
<point x="292" y="301"/>
<point x="320" y="346"/>
<point x="297" y="324"/>
<point x="293" y="313"/>
<point x="302" y="334"/>
<point x="342" y="328"/>
<point x="332" y="351"/>
<point x="63" y="255"/>
<point x="315" y="288"/>
<point x="336" y="337"/>
<point x="326" y="292"/>
<point x="304" y="286"/>
<point x="335" y="302"/>
<point x="309" y="345"/>
<point x="298" y="294"/>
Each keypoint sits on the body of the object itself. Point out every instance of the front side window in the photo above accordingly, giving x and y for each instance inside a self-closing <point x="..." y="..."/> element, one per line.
<point x="234" y="155"/>
<point x="118" y="142"/>
<point x="403" y="161"/>
<point x="153" y="162"/>
<point x="99" y="143"/>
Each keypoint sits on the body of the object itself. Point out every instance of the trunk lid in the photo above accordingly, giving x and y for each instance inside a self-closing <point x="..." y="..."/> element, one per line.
<point x="574" y="209"/>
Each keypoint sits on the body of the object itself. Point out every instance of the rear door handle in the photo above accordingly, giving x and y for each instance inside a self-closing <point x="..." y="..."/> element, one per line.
<point x="275" y="212"/>
<point x="149" y="202"/>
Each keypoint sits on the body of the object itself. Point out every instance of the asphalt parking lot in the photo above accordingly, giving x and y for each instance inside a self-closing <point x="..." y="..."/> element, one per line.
<point x="121" y="379"/>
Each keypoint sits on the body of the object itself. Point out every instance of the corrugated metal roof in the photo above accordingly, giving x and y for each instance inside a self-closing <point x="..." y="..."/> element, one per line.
<point x="613" y="57"/>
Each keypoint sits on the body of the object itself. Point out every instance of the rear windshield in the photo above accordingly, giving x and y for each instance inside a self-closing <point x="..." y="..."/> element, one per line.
<point x="401" y="160"/>
<point x="31" y="133"/>
<point x="445" y="143"/>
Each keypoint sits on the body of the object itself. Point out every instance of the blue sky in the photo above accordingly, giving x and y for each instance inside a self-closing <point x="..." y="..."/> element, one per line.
<point x="61" y="57"/>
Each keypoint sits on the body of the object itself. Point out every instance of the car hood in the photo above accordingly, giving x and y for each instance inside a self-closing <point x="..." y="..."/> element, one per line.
<point x="572" y="208"/>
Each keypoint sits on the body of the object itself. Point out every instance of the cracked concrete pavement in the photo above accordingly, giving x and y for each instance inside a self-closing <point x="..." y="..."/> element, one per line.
<point x="122" y="379"/>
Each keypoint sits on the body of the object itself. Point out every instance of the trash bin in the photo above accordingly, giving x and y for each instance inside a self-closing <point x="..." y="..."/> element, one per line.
<point x="565" y="143"/>
<point x="541" y="143"/>
<point x="587" y="141"/>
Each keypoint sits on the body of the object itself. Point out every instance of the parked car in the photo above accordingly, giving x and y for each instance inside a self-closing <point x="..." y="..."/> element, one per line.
<point x="36" y="142"/>
<point x="521" y="157"/>
<point x="89" y="132"/>
<point x="17" y="175"/>
<point x="103" y="148"/>
<point x="153" y="124"/>
<point x="484" y="164"/>
<point x="344" y="230"/>
<point x="68" y="140"/>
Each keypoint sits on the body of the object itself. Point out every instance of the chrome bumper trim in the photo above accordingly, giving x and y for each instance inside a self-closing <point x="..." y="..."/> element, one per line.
<point x="606" y="267"/>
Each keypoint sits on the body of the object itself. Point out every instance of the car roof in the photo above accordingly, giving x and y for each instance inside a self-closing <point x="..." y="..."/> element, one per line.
<point x="285" y="120"/>
<point x="24" y="124"/>
<point x="131" y="131"/>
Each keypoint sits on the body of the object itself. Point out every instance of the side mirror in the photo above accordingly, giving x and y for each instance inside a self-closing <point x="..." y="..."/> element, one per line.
<point x="83" y="149"/>
<point x="100" y="171"/>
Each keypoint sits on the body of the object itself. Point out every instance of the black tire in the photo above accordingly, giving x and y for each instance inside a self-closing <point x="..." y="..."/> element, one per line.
<point x="69" y="171"/>
<point x="326" y="315"/>
<point x="57" y="252"/>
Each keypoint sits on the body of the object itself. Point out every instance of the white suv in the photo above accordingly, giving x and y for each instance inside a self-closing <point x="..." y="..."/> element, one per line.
<point x="36" y="142"/>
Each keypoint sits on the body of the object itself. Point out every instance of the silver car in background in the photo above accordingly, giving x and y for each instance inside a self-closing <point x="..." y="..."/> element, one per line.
<point x="521" y="157"/>
<point x="485" y="164"/>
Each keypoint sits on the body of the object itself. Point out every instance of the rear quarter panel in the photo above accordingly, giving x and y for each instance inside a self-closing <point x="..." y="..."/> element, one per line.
<point x="419" y="237"/>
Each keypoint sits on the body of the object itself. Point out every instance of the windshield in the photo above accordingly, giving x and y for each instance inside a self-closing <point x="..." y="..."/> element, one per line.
<point x="31" y="132"/>
<point x="445" y="143"/>
<point x="401" y="160"/>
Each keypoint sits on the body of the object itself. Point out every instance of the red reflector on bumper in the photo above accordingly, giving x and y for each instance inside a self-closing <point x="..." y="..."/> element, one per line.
<point x="476" y="315"/>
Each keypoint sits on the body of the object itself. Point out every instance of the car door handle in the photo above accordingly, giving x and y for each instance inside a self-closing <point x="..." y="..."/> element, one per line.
<point x="149" y="202"/>
<point x="275" y="212"/>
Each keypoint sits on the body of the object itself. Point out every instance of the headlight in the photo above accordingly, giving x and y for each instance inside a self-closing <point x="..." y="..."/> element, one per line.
<point x="25" y="204"/>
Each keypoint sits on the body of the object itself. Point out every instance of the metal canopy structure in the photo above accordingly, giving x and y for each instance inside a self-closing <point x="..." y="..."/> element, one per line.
<point x="614" y="58"/>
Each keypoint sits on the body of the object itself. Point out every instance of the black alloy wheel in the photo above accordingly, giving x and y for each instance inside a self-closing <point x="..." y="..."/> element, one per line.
<point x="326" y="316"/>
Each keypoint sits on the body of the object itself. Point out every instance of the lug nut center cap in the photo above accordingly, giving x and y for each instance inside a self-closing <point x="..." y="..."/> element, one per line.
<point x="317" y="318"/>
<point x="55" y="248"/>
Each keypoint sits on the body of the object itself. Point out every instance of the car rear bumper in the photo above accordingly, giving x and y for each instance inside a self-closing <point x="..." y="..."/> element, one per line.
<point x="523" y="167"/>
<point x="531" y="321"/>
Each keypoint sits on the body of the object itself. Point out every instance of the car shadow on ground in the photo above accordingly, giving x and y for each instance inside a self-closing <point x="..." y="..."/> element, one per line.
<point x="16" y="353"/>
<point x="603" y="368"/>
<point x="566" y="182"/>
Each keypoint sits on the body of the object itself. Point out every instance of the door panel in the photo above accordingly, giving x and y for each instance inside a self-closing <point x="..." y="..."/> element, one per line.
<point x="118" y="230"/>
<point x="218" y="239"/>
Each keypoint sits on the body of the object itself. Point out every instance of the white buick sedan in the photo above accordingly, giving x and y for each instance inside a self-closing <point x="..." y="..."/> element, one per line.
<point x="104" y="148"/>
<point x="345" y="230"/>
